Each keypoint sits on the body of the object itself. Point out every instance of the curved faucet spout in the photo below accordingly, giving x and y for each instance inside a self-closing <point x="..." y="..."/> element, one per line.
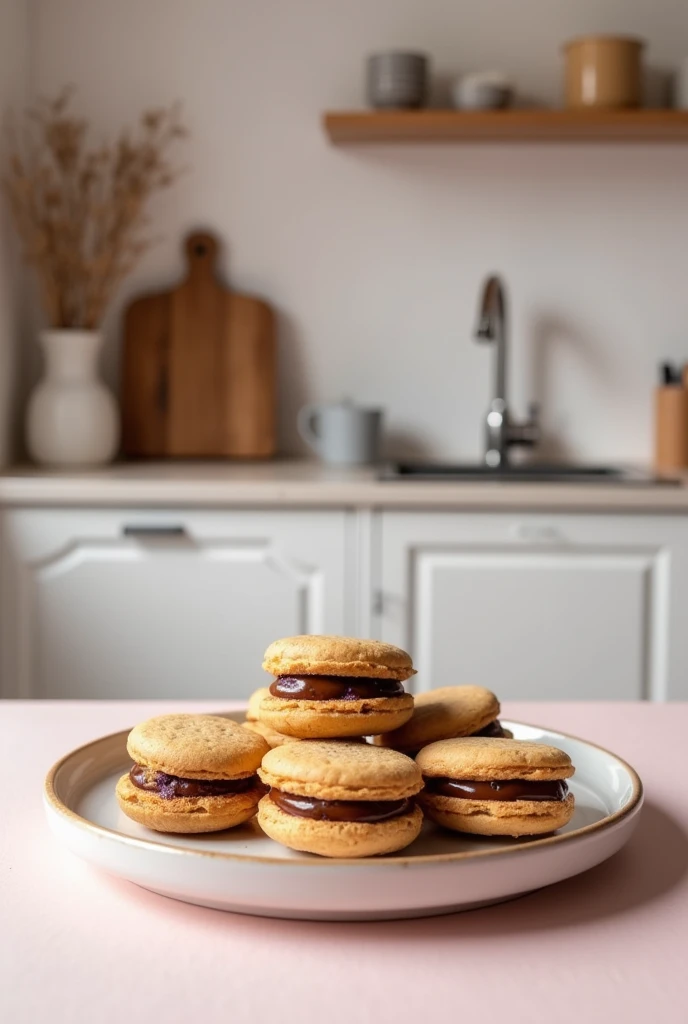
<point x="501" y="431"/>
<point x="492" y="326"/>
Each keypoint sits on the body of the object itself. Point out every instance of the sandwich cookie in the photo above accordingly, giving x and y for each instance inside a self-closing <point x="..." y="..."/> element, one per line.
<point x="270" y="735"/>
<point x="340" y="799"/>
<point x="445" y="713"/>
<point x="496" y="787"/>
<point x="336" y="686"/>
<point x="276" y="739"/>
<point x="191" y="773"/>
<point x="254" y="703"/>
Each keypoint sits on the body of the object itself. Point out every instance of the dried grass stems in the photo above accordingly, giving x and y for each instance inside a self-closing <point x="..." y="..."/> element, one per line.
<point x="80" y="211"/>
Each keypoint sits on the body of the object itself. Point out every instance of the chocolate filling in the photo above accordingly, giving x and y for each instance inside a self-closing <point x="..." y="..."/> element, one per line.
<point x="340" y="810"/>
<point x="170" y="786"/>
<point x="491" y="729"/>
<point x="334" y="688"/>
<point x="509" y="789"/>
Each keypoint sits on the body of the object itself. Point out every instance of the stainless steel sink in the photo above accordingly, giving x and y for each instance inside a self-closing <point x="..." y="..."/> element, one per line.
<point x="537" y="472"/>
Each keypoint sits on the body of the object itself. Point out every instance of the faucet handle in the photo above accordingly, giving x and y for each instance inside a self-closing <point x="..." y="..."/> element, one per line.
<point x="528" y="432"/>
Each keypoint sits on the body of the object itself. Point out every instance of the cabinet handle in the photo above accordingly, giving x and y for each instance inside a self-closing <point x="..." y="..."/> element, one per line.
<point x="538" y="533"/>
<point x="154" y="531"/>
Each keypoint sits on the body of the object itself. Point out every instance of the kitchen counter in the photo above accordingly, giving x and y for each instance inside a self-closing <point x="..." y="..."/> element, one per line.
<point x="302" y="483"/>
<point x="77" y="946"/>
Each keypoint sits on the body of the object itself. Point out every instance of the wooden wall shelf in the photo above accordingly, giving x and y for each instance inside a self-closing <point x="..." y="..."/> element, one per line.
<point x="640" y="126"/>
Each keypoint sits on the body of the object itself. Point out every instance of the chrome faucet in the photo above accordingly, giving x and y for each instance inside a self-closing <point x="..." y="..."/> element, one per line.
<point x="502" y="433"/>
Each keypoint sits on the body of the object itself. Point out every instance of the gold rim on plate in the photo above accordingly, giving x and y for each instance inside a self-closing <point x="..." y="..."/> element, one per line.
<point x="437" y="858"/>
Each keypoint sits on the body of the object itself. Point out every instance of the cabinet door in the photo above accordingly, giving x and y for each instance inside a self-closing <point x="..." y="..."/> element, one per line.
<point x="170" y="605"/>
<point x="571" y="607"/>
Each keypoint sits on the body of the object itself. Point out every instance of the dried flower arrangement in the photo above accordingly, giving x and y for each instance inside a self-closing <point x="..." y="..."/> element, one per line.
<point x="80" y="211"/>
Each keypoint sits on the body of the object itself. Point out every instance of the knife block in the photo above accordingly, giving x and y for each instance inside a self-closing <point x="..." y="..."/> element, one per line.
<point x="671" y="427"/>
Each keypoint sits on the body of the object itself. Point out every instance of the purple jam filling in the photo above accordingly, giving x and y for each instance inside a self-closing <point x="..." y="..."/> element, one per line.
<point x="170" y="786"/>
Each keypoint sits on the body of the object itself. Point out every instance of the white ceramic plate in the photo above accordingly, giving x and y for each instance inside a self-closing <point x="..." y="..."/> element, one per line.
<point x="244" y="871"/>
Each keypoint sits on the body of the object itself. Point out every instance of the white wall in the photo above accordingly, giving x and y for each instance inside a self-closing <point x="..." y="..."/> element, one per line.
<point x="14" y="25"/>
<point x="374" y="256"/>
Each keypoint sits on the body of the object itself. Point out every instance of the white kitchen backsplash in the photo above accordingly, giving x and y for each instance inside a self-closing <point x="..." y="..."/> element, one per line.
<point x="373" y="256"/>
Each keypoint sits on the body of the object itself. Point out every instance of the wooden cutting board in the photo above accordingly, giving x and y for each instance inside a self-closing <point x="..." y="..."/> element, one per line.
<point x="198" y="373"/>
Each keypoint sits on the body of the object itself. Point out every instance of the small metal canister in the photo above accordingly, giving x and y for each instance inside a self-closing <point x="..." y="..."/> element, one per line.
<point x="397" y="80"/>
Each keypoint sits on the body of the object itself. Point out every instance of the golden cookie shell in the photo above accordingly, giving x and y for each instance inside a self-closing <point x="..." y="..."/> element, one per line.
<point x="196" y="747"/>
<point x="185" y="814"/>
<point x="270" y="735"/>
<point x="445" y="713"/>
<point x="337" y="656"/>
<point x="485" y="758"/>
<point x="254" y="703"/>
<point x="336" y="770"/>
<point x="339" y="838"/>
<point x="322" y="719"/>
<point x="498" y="817"/>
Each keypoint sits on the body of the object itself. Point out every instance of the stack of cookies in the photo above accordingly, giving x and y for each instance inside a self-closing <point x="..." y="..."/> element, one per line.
<point x="337" y="760"/>
<point x="335" y="687"/>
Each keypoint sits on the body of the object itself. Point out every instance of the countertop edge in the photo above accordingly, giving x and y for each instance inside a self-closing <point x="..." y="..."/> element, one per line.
<point x="288" y="488"/>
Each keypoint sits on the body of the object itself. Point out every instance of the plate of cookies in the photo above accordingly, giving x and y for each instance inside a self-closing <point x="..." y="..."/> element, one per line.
<point x="340" y="795"/>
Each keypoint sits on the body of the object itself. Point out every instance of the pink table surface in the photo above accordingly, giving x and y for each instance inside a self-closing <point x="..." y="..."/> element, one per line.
<point x="610" y="945"/>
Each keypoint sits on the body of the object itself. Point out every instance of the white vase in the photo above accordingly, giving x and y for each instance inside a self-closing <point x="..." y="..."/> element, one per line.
<point x="72" y="419"/>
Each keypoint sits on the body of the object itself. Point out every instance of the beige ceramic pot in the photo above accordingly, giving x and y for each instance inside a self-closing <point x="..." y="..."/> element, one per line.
<point x="603" y="72"/>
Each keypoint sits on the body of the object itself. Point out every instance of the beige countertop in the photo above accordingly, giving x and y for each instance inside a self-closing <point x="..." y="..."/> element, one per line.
<point x="302" y="483"/>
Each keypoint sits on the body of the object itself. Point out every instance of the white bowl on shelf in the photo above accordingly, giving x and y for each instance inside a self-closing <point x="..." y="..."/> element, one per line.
<point x="484" y="90"/>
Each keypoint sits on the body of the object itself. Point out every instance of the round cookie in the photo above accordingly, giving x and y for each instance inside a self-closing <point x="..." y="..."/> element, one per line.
<point x="443" y="714"/>
<point x="192" y="773"/>
<point x="340" y="799"/>
<point x="276" y="739"/>
<point x="314" y="655"/>
<point x="254" y="703"/>
<point x="496" y="787"/>
<point x="270" y="735"/>
<point x="330" y="687"/>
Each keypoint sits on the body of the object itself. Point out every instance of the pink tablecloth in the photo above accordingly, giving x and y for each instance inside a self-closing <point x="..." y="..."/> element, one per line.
<point x="77" y="946"/>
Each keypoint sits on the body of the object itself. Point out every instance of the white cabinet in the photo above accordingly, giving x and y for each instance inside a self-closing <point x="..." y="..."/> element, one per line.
<point x="148" y="603"/>
<point x="539" y="607"/>
<point x="173" y="604"/>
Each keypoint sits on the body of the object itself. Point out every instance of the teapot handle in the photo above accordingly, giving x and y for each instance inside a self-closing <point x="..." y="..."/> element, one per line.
<point x="305" y="420"/>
